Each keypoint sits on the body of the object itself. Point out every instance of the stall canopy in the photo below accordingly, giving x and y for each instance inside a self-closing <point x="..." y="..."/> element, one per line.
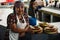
<point x="9" y="0"/>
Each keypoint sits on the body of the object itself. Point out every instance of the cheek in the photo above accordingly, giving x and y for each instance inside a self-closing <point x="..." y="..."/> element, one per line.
<point x="22" y="9"/>
<point x="16" y="10"/>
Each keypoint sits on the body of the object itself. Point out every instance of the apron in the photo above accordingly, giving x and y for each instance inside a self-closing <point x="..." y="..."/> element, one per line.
<point x="15" y="36"/>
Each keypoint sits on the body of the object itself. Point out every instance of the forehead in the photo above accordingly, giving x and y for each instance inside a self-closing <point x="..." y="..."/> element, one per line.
<point x="20" y="4"/>
<point x="34" y="2"/>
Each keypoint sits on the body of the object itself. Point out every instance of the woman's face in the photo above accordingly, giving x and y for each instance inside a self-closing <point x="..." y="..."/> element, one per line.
<point x="34" y="5"/>
<point x="20" y="9"/>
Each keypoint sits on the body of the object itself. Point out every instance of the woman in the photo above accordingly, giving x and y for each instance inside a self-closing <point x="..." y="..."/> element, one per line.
<point x="32" y="8"/>
<point x="18" y="22"/>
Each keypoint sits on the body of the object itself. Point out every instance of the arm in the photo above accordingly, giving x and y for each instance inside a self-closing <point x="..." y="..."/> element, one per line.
<point x="15" y="29"/>
<point x="27" y="28"/>
<point x="11" y="22"/>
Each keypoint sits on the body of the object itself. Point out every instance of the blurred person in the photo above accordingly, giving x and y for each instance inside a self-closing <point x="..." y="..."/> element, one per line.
<point x="46" y="2"/>
<point x="18" y="23"/>
<point x="55" y="3"/>
<point x="32" y="12"/>
<point x="32" y="8"/>
<point x="40" y="3"/>
<point x="51" y="4"/>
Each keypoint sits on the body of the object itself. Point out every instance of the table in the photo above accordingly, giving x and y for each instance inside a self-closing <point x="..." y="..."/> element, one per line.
<point x="51" y="11"/>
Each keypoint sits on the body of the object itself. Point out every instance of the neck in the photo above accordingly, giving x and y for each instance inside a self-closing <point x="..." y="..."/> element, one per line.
<point x="19" y="14"/>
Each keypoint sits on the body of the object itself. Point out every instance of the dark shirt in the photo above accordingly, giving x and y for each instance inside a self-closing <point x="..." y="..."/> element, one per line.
<point x="31" y="12"/>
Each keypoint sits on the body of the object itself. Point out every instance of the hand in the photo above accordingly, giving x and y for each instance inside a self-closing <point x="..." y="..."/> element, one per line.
<point x="26" y="29"/>
<point x="22" y="34"/>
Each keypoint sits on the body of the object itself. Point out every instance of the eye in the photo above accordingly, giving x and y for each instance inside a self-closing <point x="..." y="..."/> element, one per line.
<point x="17" y="8"/>
<point x="22" y="6"/>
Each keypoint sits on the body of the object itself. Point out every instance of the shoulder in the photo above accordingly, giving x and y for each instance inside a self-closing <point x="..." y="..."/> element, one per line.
<point x="12" y="15"/>
<point x="11" y="18"/>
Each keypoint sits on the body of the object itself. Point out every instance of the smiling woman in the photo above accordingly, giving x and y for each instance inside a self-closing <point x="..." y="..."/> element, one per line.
<point x="18" y="23"/>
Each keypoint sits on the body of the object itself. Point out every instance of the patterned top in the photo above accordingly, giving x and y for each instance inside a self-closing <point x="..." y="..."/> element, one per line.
<point x="12" y="19"/>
